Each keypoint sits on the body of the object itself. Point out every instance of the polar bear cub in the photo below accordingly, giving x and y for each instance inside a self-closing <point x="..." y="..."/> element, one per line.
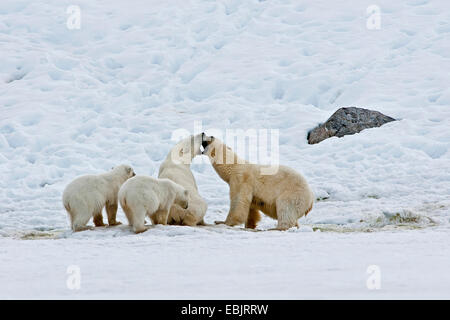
<point x="142" y="195"/>
<point x="86" y="196"/>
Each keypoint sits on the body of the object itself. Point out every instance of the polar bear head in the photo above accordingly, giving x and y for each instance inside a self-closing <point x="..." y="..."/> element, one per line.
<point x="187" y="149"/>
<point x="206" y="142"/>
<point x="217" y="151"/>
<point x="124" y="171"/>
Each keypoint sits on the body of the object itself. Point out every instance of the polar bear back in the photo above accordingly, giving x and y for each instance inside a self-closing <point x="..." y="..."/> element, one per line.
<point x="180" y="175"/>
<point x="148" y="192"/>
<point x="92" y="189"/>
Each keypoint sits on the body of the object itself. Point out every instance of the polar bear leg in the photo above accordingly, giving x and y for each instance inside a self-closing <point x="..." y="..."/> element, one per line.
<point x="138" y="220"/>
<point x="111" y="210"/>
<point x="160" y="216"/>
<point x="176" y="215"/>
<point x="287" y="214"/>
<point x="172" y="221"/>
<point x="135" y="216"/>
<point x="98" y="219"/>
<point x="79" y="216"/>
<point x="79" y="222"/>
<point x="253" y="217"/>
<point x="240" y="201"/>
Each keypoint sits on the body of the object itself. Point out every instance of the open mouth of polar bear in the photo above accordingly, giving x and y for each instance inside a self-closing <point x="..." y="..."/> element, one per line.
<point x="206" y="141"/>
<point x="204" y="146"/>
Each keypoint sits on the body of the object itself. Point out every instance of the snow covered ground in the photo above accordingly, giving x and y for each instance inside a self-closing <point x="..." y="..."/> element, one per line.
<point x="75" y="101"/>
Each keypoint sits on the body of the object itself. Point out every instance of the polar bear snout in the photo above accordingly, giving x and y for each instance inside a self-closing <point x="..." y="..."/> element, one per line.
<point x="130" y="172"/>
<point x="206" y="141"/>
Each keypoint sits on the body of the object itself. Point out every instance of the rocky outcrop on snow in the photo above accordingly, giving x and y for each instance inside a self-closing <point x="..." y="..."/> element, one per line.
<point x="347" y="121"/>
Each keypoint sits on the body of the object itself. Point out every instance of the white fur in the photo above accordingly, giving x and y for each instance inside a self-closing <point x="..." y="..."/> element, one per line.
<point x="142" y="195"/>
<point x="86" y="196"/>
<point x="177" y="167"/>
<point x="284" y="195"/>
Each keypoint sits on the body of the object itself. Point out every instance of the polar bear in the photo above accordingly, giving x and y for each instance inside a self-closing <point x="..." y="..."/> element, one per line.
<point x="142" y="195"/>
<point x="86" y="196"/>
<point x="284" y="195"/>
<point x="177" y="167"/>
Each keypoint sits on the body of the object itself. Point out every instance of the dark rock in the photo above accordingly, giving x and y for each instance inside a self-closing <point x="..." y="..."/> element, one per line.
<point x="347" y="121"/>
